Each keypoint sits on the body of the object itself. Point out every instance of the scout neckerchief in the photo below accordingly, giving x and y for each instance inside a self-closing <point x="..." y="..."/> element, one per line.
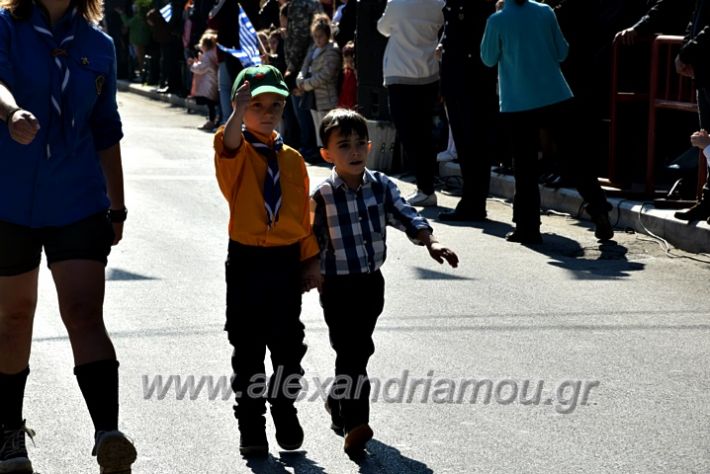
<point x="272" y="185"/>
<point x="61" y="119"/>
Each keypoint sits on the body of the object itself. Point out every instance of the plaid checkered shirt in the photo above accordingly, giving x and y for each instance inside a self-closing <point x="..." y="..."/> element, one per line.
<point x="350" y="224"/>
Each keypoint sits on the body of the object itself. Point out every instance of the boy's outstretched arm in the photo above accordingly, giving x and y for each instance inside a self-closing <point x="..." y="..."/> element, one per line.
<point x="437" y="251"/>
<point x="233" y="127"/>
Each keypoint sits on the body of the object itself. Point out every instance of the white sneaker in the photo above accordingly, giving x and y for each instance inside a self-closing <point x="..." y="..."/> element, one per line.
<point x="421" y="199"/>
<point x="444" y="156"/>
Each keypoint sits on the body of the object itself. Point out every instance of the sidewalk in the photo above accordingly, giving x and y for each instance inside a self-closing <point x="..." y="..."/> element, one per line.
<point x="640" y="216"/>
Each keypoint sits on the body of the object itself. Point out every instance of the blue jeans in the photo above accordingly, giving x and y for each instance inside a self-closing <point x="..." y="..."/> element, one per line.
<point x="225" y="91"/>
<point x="305" y="124"/>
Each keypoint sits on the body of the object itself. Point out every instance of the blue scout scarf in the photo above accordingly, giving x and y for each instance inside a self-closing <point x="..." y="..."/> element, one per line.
<point x="272" y="186"/>
<point x="62" y="114"/>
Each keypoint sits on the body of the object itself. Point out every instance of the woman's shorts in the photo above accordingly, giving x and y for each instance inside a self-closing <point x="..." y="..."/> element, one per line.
<point x="21" y="247"/>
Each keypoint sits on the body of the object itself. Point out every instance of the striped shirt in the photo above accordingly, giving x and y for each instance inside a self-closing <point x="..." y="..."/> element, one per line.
<point x="350" y="224"/>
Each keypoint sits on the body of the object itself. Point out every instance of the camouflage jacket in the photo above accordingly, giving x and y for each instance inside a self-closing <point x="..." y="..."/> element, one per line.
<point x="298" y="39"/>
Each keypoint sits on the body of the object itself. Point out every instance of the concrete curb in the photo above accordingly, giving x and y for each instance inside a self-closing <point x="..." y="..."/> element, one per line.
<point x="640" y="216"/>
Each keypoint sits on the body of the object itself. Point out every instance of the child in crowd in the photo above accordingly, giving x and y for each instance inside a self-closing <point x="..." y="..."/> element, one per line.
<point x="320" y="70"/>
<point x="347" y="98"/>
<point x="276" y="50"/>
<point x="273" y="256"/>
<point x="351" y="209"/>
<point x="204" y="77"/>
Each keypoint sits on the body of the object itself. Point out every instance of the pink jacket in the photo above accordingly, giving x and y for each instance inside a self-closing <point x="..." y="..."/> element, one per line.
<point x="204" y="76"/>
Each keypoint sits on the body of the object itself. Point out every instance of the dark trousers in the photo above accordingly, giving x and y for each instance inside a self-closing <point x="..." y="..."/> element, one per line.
<point x="350" y="327"/>
<point x="307" y="137"/>
<point x="411" y="108"/>
<point x="704" y="112"/>
<point x="263" y="310"/>
<point x="170" y="58"/>
<point x="211" y="106"/>
<point x="576" y="162"/>
<point x="473" y="125"/>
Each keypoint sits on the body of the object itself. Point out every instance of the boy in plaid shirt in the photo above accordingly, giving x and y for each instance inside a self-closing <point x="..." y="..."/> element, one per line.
<point x="351" y="210"/>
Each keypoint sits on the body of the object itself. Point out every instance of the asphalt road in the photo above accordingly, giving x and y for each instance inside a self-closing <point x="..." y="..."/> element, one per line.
<point x="616" y="338"/>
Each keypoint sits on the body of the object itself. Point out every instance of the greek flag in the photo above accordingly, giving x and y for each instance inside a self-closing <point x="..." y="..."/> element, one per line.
<point x="248" y="55"/>
<point x="167" y="12"/>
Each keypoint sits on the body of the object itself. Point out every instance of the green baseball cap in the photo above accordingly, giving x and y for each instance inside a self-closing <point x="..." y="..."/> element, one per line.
<point x="262" y="79"/>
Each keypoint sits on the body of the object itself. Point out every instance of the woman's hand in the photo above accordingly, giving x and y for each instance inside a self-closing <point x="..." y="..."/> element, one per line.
<point x="23" y="127"/>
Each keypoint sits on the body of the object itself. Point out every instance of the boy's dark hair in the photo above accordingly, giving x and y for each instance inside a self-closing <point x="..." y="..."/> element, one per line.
<point x="345" y="121"/>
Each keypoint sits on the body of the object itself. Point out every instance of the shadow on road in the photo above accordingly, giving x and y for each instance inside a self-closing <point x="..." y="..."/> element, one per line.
<point x="384" y="459"/>
<point x="606" y="260"/>
<point x="296" y="461"/>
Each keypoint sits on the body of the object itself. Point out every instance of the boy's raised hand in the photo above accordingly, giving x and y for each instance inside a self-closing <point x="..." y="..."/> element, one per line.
<point x="440" y="253"/>
<point x="241" y="98"/>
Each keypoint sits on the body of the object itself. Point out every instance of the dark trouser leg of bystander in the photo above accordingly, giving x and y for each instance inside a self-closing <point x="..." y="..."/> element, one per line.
<point x="411" y="107"/>
<point x="524" y="128"/>
<point x="578" y="160"/>
<point x="472" y="120"/>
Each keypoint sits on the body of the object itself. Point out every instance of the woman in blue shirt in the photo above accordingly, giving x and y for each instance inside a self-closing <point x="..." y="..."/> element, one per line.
<point x="525" y="42"/>
<point x="61" y="189"/>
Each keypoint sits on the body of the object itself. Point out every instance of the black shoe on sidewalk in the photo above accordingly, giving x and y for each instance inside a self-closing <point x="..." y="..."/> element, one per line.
<point x="525" y="237"/>
<point x="603" y="229"/>
<point x="459" y="216"/>
<point x="698" y="212"/>
<point x="289" y="433"/>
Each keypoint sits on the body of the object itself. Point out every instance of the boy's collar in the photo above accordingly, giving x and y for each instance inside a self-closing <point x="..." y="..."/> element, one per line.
<point x="367" y="178"/>
<point x="266" y="139"/>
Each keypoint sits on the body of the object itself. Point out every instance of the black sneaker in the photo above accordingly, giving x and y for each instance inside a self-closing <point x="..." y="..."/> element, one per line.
<point x="698" y="212"/>
<point x="252" y="436"/>
<point x="114" y="452"/>
<point x="356" y="439"/>
<point x="525" y="237"/>
<point x="460" y="216"/>
<point x="289" y="433"/>
<point x="603" y="229"/>
<point x="13" y="452"/>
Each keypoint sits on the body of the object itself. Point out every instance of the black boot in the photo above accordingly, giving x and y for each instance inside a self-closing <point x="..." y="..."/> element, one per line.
<point x="289" y="433"/>
<point x="700" y="211"/>
<point x="252" y="436"/>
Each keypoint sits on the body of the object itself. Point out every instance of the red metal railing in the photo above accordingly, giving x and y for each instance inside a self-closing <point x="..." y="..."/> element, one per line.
<point x="668" y="91"/>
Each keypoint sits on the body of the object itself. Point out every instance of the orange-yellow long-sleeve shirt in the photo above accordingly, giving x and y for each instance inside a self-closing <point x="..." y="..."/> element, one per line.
<point x="241" y="174"/>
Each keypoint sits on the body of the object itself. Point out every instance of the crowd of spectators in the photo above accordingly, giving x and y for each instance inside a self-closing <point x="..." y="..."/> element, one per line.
<point x="164" y="53"/>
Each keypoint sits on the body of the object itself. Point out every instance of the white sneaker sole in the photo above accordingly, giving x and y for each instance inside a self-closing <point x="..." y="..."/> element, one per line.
<point x="115" y="454"/>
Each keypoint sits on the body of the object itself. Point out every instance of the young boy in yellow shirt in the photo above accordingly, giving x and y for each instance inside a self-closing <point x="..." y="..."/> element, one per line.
<point x="272" y="257"/>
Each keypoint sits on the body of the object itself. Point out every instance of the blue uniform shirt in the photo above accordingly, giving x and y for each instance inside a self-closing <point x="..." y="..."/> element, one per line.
<point x="57" y="179"/>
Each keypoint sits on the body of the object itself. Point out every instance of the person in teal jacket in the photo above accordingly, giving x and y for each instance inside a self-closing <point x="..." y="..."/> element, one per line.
<point x="524" y="40"/>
